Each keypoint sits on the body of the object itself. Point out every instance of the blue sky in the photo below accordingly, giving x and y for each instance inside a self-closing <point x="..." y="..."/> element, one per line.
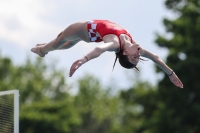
<point x="24" y="23"/>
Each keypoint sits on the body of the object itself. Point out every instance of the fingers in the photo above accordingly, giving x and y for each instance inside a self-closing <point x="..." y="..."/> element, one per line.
<point x="74" y="67"/>
<point x="72" y="70"/>
<point x="71" y="73"/>
<point x="176" y="81"/>
<point x="179" y="84"/>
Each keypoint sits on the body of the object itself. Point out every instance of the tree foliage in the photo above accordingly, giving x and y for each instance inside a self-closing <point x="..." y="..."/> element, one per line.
<point x="180" y="107"/>
<point x="47" y="106"/>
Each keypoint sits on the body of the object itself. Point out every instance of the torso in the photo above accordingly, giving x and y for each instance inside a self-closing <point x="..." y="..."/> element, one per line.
<point x="98" y="29"/>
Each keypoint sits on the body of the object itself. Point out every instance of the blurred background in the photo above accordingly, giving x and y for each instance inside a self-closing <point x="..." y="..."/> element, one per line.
<point x="95" y="99"/>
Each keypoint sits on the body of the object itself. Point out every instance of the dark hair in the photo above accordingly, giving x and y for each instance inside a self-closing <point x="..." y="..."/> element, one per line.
<point x="123" y="60"/>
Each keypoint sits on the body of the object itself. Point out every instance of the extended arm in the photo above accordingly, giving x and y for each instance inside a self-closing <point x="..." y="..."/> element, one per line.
<point x="161" y="64"/>
<point x="96" y="52"/>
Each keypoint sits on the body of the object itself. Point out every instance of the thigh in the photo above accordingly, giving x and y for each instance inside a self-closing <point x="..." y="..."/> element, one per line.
<point x="76" y="31"/>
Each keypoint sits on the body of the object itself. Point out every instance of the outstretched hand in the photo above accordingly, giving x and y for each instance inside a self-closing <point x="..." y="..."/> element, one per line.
<point x="175" y="80"/>
<point x="74" y="67"/>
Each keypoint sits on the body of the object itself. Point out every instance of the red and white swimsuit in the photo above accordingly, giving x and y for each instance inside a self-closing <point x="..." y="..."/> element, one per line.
<point x="97" y="29"/>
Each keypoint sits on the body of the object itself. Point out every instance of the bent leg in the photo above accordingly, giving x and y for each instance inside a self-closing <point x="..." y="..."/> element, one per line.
<point x="73" y="33"/>
<point x="64" y="46"/>
<point x="67" y="45"/>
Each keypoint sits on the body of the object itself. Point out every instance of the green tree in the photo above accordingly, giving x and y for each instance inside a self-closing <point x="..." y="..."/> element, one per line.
<point x="97" y="107"/>
<point x="168" y="108"/>
<point x="179" y="109"/>
<point x="49" y="117"/>
<point x="139" y="103"/>
<point x="47" y="107"/>
<point x="43" y="95"/>
<point x="35" y="80"/>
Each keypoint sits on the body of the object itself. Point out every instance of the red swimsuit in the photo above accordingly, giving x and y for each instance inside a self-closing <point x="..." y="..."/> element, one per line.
<point x="102" y="28"/>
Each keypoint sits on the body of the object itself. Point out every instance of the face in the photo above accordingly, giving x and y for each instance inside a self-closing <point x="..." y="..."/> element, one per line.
<point x="133" y="53"/>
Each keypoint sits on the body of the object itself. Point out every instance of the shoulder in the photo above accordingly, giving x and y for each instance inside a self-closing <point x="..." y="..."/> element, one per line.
<point x="142" y="51"/>
<point x="147" y="54"/>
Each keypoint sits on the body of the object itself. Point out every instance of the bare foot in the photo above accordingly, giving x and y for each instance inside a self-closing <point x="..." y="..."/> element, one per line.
<point x="37" y="50"/>
<point x="41" y="44"/>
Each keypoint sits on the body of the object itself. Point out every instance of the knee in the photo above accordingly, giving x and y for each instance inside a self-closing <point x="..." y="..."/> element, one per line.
<point x="60" y="38"/>
<point x="60" y="35"/>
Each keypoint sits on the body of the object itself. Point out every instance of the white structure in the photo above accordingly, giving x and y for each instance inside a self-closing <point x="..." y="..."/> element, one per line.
<point x="9" y="111"/>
